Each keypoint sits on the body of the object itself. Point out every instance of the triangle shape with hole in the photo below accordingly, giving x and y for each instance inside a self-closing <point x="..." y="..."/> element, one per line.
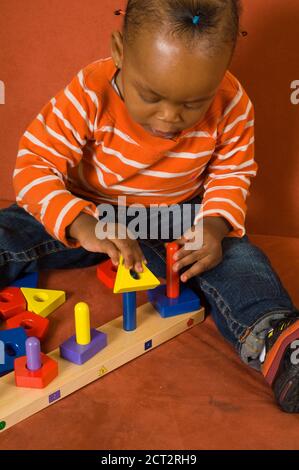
<point x="130" y="281"/>
<point x="43" y="301"/>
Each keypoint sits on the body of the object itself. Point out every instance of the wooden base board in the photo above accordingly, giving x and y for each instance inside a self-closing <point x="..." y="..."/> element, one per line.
<point x="18" y="403"/>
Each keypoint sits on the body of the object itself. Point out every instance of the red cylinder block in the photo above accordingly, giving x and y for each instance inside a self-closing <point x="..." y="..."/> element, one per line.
<point x="172" y="278"/>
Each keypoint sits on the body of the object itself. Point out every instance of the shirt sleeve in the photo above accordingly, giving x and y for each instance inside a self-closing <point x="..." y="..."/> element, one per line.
<point x="51" y="144"/>
<point x="232" y="166"/>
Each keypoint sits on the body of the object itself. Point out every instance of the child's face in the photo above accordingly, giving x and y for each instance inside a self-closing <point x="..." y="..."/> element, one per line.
<point x="166" y="87"/>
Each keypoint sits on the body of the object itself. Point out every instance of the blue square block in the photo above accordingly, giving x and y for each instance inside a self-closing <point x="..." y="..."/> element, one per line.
<point x="78" y="354"/>
<point x="187" y="302"/>
<point x="12" y="345"/>
<point x="29" y="280"/>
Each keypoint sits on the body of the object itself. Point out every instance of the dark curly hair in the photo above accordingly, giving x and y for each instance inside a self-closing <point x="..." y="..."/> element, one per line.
<point x="213" y="23"/>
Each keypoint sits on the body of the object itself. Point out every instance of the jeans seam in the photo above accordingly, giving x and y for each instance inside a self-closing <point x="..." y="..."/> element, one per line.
<point x="13" y="257"/>
<point x="224" y="309"/>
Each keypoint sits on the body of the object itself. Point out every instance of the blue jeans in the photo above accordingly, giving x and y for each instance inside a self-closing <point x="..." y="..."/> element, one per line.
<point x="242" y="293"/>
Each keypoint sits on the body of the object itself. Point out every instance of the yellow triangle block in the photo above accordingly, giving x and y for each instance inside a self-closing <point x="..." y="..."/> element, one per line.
<point x="128" y="281"/>
<point x="43" y="301"/>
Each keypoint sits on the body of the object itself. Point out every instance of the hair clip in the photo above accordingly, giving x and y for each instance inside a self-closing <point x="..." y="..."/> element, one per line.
<point x="196" y="19"/>
<point x="119" y="12"/>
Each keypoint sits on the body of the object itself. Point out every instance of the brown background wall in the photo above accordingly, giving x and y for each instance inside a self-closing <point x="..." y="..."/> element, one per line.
<point x="43" y="43"/>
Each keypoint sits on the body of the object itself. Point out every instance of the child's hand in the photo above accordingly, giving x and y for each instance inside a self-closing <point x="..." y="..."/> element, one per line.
<point x="83" y="229"/>
<point x="201" y="260"/>
<point x="209" y="255"/>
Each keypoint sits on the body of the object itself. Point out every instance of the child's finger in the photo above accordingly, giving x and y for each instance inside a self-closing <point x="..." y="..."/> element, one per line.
<point x="179" y="241"/>
<point x="183" y="252"/>
<point x="139" y="258"/>
<point x="197" y="269"/>
<point x="186" y="261"/>
<point x="128" y="258"/>
<point x="127" y="251"/>
<point x="180" y="254"/>
<point x="111" y="250"/>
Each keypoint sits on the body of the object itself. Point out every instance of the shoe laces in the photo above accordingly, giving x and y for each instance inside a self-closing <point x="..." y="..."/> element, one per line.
<point x="281" y="324"/>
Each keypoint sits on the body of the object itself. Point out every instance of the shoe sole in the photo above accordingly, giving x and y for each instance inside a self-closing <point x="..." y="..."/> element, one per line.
<point x="286" y="391"/>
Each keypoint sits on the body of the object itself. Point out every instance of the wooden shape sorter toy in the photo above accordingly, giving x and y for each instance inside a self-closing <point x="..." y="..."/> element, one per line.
<point x="13" y="346"/>
<point x="35" y="369"/>
<point x="12" y="302"/>
<point x="15" y="405"/>
<point x="129" y="281"/>
<point x="169" y="299"/>
<point x="118" y="342"/>
<point x="43" y="301"/>
<point x="28" y="280"/>
<point x="106" y="273"/>
<point x="87" y="342"/>
<point x="34" y="325"/>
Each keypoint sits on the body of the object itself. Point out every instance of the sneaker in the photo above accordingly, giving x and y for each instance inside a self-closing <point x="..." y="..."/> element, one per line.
<point x="281" y="365"/>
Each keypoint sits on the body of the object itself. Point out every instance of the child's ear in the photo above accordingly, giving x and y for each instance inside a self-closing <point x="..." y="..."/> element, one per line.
<point x="117" y="48"/>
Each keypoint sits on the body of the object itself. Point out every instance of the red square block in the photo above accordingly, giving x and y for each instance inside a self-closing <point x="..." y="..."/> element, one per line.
<point x="35" y="379"/>
<point x="12" y="302"/>
<point x="34" y="325"/>
<point x="106" y="273"/>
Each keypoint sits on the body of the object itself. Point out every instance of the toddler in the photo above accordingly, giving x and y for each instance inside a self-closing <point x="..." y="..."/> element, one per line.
<point x="161" y="121"/>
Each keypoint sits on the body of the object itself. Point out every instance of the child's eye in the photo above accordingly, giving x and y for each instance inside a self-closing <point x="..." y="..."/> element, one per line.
<point x="156" y="100"/>
<point x="149" y="100"/>
<point x="194" y="106"/>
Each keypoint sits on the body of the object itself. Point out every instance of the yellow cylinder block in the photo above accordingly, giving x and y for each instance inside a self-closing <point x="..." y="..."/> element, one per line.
<point x="82" y="322"/>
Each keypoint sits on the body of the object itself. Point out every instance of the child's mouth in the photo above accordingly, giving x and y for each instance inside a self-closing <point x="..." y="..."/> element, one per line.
<point x="164" y="135"/>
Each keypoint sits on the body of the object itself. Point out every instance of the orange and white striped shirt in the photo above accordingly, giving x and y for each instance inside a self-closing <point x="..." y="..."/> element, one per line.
<point x="84" y="149"/>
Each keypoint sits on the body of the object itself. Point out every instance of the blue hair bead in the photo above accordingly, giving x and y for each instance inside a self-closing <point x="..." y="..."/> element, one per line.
<point x="196" y="19"/>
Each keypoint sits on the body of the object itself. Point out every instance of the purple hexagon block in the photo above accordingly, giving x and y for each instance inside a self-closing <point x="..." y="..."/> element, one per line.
<point x="78" y="354"/>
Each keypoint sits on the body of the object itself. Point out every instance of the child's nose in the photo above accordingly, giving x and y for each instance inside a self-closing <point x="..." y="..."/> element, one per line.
<point x="170" y="115"/>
